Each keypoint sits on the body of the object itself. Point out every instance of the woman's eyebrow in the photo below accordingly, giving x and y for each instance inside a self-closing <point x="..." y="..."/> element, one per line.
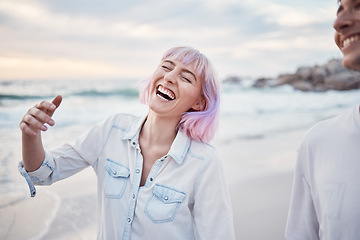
<point x="190" y="72"/>
<point x="168" y="61"/>
<point x="184" y="69"/>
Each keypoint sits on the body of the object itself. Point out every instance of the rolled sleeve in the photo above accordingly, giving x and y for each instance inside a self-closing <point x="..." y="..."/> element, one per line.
<point x="32" y="178"/>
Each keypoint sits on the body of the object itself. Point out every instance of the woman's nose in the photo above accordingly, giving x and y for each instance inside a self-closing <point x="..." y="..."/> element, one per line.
<point x="170" y="77"/>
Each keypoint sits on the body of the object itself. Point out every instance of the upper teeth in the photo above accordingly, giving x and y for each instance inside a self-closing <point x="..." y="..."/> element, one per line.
<point x="349" y="40"/>
<point x="166" y="92"/>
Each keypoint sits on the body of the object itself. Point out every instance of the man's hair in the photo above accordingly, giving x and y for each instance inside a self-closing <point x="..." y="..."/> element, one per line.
<point x="198" y="125"/>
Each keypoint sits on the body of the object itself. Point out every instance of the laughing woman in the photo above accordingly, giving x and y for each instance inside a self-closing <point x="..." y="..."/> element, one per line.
<point x="158" y="178"/>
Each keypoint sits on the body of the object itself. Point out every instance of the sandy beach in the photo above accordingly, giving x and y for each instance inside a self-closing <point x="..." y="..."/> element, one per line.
<point x="259" y="172"/>
<point x="260" y="182"/>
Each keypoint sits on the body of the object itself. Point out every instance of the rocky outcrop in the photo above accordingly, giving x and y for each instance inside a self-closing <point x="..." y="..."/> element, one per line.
<point x="233" y="79"/>
<point x="330" y="76"/>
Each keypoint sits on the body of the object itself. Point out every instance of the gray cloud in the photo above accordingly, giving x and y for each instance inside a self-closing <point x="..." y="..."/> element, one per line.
<point x="253" y="38"/>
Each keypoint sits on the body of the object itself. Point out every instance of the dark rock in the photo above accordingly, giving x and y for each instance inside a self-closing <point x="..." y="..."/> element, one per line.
<point x="287" y="79"/>
<point x="304" y="72"/>
<point x="232" y="79"/>
<point x="330" y="76"/>
<point x="346" y="80"/>
<point x="334" y="66"/>
<point x="302" y="85"/>
<point x="261" y="83"/>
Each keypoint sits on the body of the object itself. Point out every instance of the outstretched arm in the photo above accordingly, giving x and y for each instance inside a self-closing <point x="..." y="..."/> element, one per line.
<point x="31" y="126"/>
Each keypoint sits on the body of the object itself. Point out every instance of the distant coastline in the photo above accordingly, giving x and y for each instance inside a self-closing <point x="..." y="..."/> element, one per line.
<point x="319" y="78"/>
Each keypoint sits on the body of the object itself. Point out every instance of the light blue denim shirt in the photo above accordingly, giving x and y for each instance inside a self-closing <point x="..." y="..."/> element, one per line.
<point x="185" y="195"/>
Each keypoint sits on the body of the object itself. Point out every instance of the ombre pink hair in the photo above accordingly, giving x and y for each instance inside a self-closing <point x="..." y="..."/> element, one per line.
<point x="198" y="125"/>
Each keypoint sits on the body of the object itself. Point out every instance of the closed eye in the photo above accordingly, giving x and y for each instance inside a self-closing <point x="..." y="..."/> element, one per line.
<point x="186" y="79"/>
<point x="188" y="76"/>
<point x="165" y="67"/>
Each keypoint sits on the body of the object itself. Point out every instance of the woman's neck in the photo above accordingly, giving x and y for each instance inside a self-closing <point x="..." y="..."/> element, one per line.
<point x="158" y="130"/>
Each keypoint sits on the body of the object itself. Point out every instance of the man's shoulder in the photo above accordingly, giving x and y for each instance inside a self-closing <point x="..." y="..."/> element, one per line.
<point x="331" y="125"/>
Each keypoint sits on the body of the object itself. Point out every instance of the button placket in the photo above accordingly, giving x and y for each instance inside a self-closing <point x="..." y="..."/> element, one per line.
<point x="134" y="186"/>
<point x="155" y="170"/>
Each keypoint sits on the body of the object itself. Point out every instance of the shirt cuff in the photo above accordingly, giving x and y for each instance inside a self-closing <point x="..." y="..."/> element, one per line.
<point x="32" y="178"/>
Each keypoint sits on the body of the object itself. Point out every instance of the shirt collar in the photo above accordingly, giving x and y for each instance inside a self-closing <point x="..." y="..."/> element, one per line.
<point x="132" y="133"/>
<point x="178" y="149"/>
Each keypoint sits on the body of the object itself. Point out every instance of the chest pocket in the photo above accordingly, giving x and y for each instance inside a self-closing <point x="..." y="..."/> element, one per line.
<point x="116" y="179"/>
<point x="163" y="204"/>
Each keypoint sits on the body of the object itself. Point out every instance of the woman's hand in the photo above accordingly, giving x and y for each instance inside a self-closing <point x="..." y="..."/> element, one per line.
<point x="36" y="117"/>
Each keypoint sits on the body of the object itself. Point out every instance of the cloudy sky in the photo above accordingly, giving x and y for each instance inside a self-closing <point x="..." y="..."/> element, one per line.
<point x="117" y="39"/>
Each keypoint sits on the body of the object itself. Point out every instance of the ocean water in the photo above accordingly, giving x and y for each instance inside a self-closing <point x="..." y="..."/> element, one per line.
<point x="249" y="112"/>
<point x="246" y="112"/>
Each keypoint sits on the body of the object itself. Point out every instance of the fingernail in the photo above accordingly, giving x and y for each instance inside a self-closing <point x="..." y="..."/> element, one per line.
<point x="51" y="122"/>
<point x="43" y="127"/>
<point x="52" y="107"/>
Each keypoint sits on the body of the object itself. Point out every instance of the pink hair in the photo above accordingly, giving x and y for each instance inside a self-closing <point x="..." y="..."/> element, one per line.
<point x="198" y="125"/>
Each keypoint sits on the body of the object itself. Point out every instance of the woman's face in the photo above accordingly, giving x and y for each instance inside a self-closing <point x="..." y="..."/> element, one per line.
<point x="175" y="89"/>
<point x="347" y="35"/>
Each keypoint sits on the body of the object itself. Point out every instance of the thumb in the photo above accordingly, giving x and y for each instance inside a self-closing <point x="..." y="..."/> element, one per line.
<point x="56" y="101"/>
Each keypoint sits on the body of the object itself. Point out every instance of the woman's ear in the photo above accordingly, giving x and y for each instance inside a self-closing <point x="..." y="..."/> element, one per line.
<point x="200" y="104"/>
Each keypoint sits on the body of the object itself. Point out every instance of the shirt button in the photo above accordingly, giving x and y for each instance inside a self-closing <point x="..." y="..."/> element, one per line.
<point x="137" y="170"/>
<point x="129" y="220"/>
<point x="151" y="179"/>
<point x="134" y="143"/>
<point x="133" y="196"/>
<point x="166" y="198"/>
<point x="114" y="172"/>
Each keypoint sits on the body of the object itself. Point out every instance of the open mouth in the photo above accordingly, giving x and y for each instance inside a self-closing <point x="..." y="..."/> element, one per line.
<point x="350" y="40"/>
<point x="164" y="93"/>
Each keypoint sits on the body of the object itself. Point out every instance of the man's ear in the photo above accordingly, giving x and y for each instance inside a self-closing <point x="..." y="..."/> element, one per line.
<point x="200" y="104"/>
